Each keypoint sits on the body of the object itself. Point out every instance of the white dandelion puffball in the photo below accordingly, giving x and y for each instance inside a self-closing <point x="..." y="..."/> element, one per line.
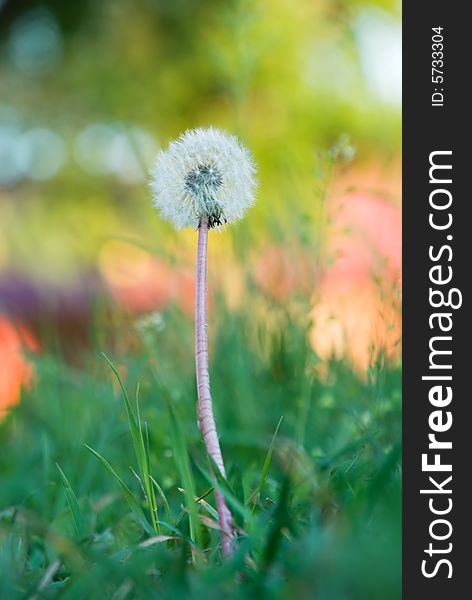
<point x="204" y="174"/>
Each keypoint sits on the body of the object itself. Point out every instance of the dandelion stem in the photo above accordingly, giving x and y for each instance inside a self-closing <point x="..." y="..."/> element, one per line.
<point x="206" y="419"/>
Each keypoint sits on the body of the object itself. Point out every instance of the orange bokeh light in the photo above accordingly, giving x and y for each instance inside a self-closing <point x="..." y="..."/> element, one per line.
<point x="357" y="305"/>
<point x="15" y="370"/>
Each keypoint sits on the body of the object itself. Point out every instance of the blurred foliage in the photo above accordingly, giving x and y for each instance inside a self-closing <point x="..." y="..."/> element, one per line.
<point x="291" y="79"/>
<point x="327" y="522"/>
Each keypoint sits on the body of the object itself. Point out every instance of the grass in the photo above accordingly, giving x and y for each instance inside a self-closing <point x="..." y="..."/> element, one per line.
<point x="104" y="497"/>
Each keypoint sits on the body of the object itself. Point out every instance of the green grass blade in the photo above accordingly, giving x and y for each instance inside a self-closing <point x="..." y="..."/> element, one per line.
<point x="146" y="469"/>
<point x="281" y="520"/>
<point x="127" y="493"/>
<point x="212" y="511"/>
<point x="73" y="504"/>
<point x="161" y="493"/>
<point x="183" y="465"/>
<point x="265" y="468"/>
<point x="140" y="447"/>
<point x="225" y="489"/>
<point x="136" y="433"/>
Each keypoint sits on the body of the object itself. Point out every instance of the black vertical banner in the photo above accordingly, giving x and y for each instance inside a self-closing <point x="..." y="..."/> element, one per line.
<point x="437" y="250"/>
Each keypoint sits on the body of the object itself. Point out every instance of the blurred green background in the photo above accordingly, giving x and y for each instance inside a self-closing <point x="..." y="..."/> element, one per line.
<point x="304" y="302"/>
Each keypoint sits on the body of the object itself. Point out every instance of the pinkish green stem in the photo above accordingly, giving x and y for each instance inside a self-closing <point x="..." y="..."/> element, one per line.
<point x="206" y="419"/>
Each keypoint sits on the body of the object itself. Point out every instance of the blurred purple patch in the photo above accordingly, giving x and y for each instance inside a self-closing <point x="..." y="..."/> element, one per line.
<point x="60" y="316"/>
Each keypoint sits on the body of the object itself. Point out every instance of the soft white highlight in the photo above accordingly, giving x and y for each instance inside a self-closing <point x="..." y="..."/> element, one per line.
<point x="204" y="174"/>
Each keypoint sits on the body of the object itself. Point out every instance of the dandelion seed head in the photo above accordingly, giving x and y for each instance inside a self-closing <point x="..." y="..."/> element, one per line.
<point x="205" y="173"/>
